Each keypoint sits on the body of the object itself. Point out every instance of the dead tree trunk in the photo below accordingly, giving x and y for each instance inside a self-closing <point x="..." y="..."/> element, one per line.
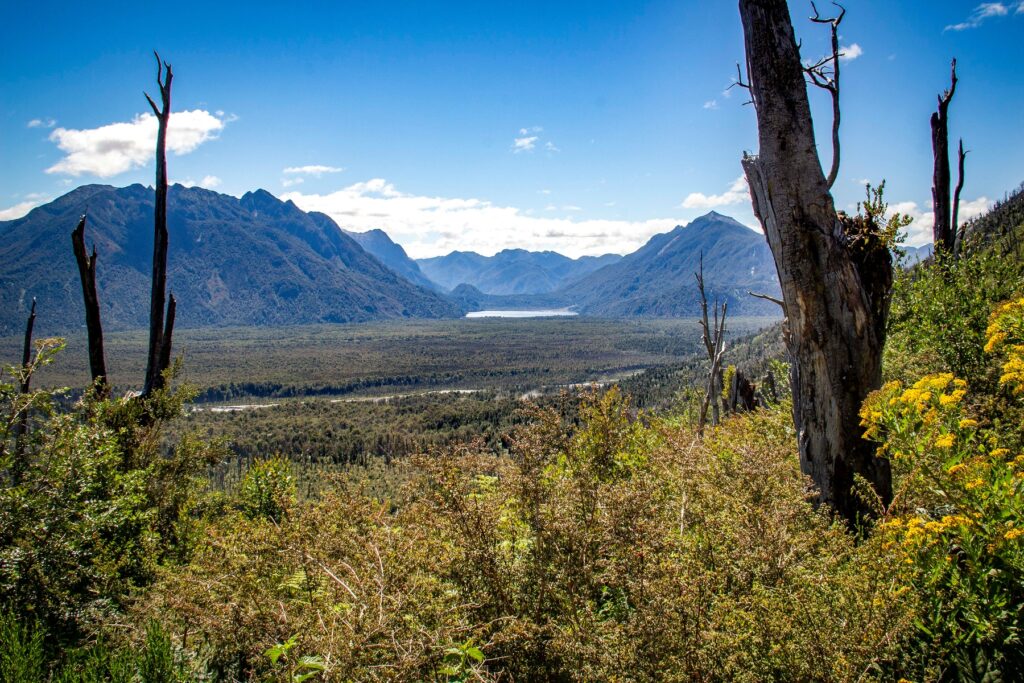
<point x="714" y="342"/>
<point x="943" y="229"/>
<point x="159" y="335"/>
<point x="20" y="464"/>
<point x="87" y="274"/>
<point x="835" y="288"/>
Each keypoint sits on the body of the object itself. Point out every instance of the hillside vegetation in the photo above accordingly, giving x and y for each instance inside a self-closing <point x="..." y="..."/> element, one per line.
<point x="589" y="543"/>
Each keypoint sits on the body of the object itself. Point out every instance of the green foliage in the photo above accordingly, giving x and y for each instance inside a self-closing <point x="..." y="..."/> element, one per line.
<point x="268" y="489"/>
<point x="940" y="314"/>
<point x="22" y="659"/>
<point x="90" y="505"/>
<point x="957" y="516"/>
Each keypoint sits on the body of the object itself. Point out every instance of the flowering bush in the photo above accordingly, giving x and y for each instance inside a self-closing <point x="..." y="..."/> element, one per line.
<point x="957" y="516"/>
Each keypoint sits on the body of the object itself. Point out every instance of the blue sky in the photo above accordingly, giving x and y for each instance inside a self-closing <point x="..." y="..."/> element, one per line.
<point x="583" y="127"/>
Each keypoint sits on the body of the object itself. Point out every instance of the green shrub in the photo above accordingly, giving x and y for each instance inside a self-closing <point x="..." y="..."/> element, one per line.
<point x="268" y="489"/>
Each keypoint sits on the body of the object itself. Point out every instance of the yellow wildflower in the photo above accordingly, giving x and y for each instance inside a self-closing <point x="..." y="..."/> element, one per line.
<point x="968" y="423"/>
<point x="944" y="441"/>
<point x="1013" y="533"/>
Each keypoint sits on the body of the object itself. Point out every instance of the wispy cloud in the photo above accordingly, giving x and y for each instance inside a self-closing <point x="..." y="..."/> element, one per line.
<point x="848" y="54"/>
<point x="315" y="170"/>
<point x="118" y="147"/>
<point x="208" y="182"/>
<point x="524" y="144"/>
<point x="736" y="194"/>
<point x="529" y="138"/>
<point x="429" y="226"/>
<point x="985" y="10"/>
<point x="18" y="210"/>
<point x="41" y="123"/>
<point x="711" y="104"/>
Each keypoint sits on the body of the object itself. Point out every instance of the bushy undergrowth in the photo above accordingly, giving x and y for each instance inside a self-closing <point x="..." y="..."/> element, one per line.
<point x="597" y="546"/>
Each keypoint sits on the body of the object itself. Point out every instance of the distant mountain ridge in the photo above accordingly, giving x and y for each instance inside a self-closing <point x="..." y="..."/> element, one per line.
<point x="657" y="280"/>
<point x="390" y="253"/>
<point x="249" y="261"/>
<point x="511" y="271"/>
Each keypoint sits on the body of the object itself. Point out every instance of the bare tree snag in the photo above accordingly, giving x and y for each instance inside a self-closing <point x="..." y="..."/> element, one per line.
<point x="958" y="231"/>
<point x="828" y="79"/>
<point x="87" y="274"/>
<point x="20" y="464"/>
<point x="714" y="342"/>
<point x="943" y="229"/>
<point x="159" y="338"/>
<point x="835" y="284"/>
<point x="26" y="352"/>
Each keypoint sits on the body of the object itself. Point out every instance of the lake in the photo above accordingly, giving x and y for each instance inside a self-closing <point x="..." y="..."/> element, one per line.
<point x="522" y="314"/>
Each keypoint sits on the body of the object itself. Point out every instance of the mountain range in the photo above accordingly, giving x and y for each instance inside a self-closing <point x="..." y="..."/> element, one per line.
<point x="511" y="271"/>
<point x="257" y="260"/>
<point x="249" y="261"/>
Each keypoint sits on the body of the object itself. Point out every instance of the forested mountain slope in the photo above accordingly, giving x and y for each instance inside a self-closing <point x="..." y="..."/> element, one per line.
<point x="249" y="261"/>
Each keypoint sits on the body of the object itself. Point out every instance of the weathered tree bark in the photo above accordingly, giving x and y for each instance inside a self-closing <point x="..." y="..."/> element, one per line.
<point x="957" y="230"/>
<point x="943" y="229"/>
<point x="835" y="281"/>
<point x="159" y="336"/>
<point x="87" y="274"/>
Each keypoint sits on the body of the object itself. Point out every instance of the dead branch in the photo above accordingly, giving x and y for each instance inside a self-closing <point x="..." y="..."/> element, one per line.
<point x="159" y="335"/>
<point x="957" y="230"/>
<point x="739" y="83"/>
<point x="767" y="297"/>
<point x="828" y="80"/>
<point x="94" y="327"/>
<point x="713" y="336"/>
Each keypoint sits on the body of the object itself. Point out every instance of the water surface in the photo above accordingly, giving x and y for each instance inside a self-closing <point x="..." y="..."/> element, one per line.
<point x="544" y="313"/>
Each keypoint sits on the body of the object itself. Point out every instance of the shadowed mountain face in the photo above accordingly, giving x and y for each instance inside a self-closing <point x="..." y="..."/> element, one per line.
<point x="392" y="255"/>
<point x="249" y="261"/>
<point x="512" y="271"/>
<point x="657" y="280"/>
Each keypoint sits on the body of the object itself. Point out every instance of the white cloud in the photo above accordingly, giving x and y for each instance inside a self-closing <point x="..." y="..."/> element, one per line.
<point x="711" y="104"/>
<point x="532" y="129"/>
<point x="985" y="10"/>
<point x="315" y="170"/>
<point x="292" y="182"/>
<point x="848" y="54"/>
<point x="42" y="123"/>
<point x="208" y="182"/>
<point x="430" y="226"/>
<point x="1020" y="8"/>
<point x="118" y="147"/>
<point x="544" y="191"/>
<point x="550" y="146"/>
<point x="736" y="194"/>
<point x="18" y="210"/>
<point x="572" y="207"/>
<point x="525" y="144"/>
<point x="920" y="231"/>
